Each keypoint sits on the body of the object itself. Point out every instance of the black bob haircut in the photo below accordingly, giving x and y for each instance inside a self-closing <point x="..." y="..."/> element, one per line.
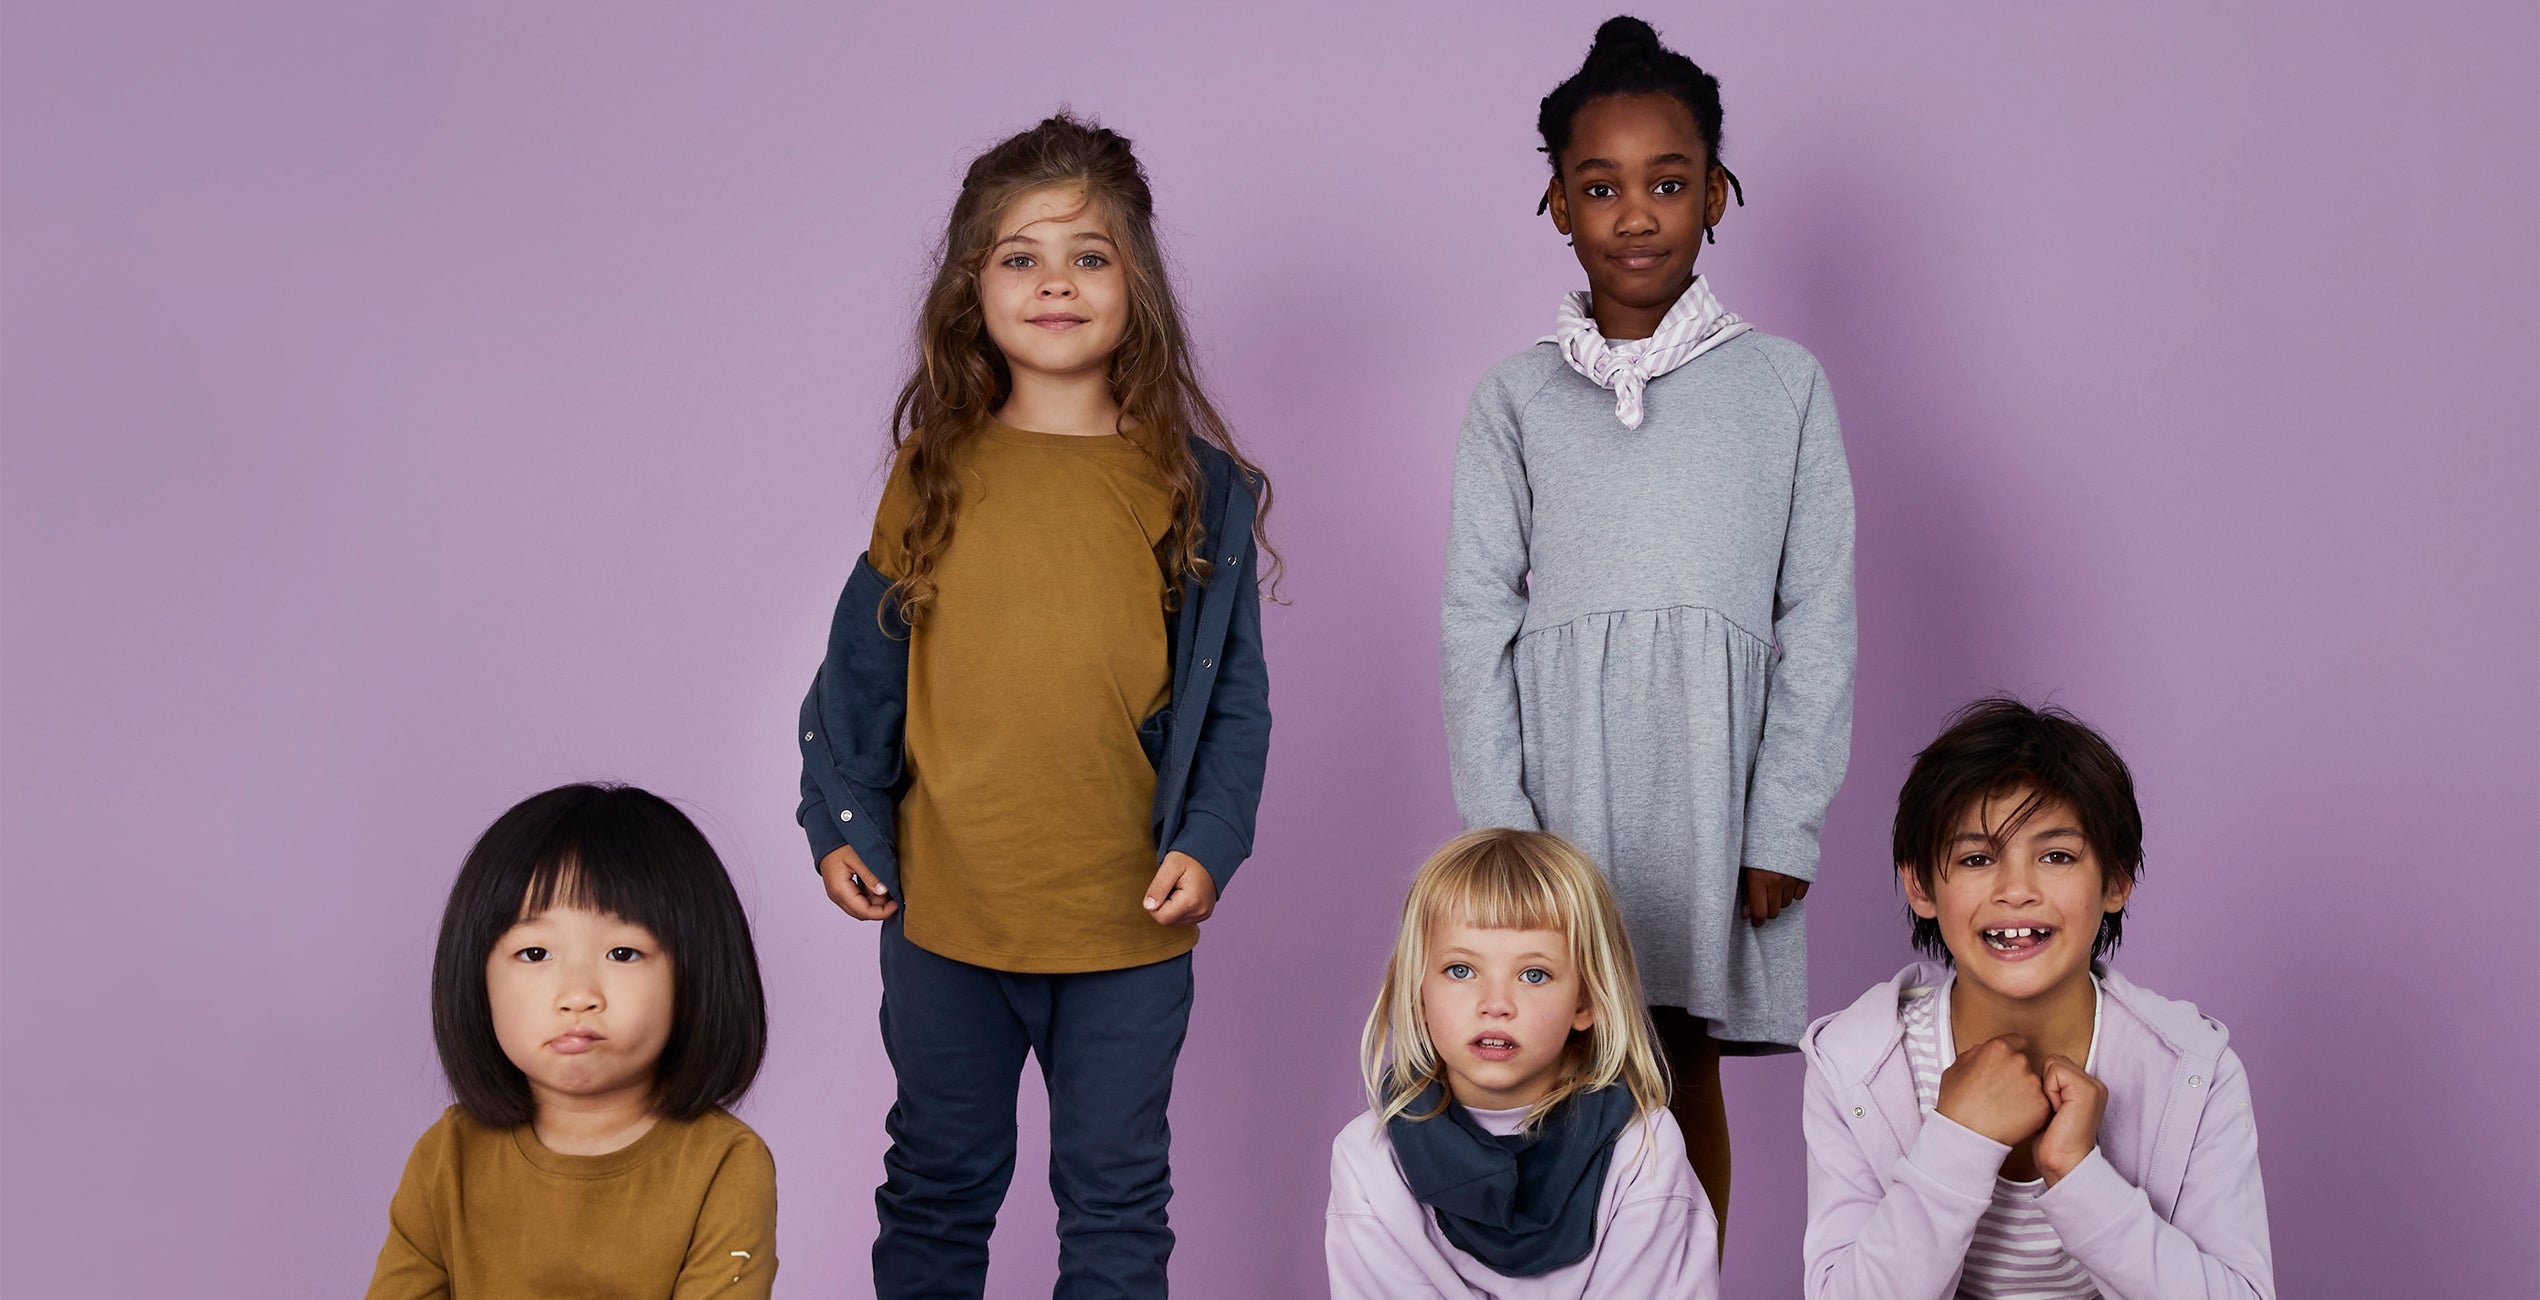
<point x="630" y="854"/>
<point x="1994" y="747"/>
<point x="1627" y="59"/>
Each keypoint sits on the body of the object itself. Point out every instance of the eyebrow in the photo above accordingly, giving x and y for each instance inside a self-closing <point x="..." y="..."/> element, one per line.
<point x="2050" y="833"/>
<point x="1467" y="952"/>
<point x="1018" y="237"/>
<point x="1661" y="160"/>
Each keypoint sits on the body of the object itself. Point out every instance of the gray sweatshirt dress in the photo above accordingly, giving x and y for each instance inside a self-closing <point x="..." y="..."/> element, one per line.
<point x="1649" y="648"/>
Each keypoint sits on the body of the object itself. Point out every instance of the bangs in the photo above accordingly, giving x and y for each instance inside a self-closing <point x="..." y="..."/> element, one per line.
<point x="578" y="868"/>
<point x="1499" y="893"/>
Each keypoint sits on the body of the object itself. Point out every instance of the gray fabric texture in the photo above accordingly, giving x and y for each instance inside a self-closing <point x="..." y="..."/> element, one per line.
<point x="1648" y="650"/>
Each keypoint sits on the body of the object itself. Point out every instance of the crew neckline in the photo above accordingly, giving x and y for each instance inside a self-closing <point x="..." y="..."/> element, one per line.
<point x="609" y="1165"/>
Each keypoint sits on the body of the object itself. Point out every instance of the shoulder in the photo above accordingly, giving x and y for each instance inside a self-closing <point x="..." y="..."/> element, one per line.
<point x="729" y="1142"/>
<point x="1517" y="378"/>
<point x="1786" y="364"/>
<point x="1362" y="1156"/>
<point x="1846" y="1046"/>
<point x="2174" y="1022"/>
<point x="1650" y="1157"/>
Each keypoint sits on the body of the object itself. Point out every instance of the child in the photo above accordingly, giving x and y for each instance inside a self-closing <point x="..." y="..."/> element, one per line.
<point x="596" y="1001"/>
<point x="1648" y="613"/>
<point x="2019" y="1119"/>
<point x="1036" y="746"/>
<point x="1520" y="1144"/>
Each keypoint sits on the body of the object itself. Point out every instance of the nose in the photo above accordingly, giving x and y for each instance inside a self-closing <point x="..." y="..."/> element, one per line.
<point x="1057" y="285"/>
<point x="579" y="993"/>
<point x="2016" y="884"/>
<point x="1498" y="1000"/>
<point x="1638" y="216"/>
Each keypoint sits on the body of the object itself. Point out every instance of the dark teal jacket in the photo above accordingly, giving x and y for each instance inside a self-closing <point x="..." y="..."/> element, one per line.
<point x="1209" y="744"/>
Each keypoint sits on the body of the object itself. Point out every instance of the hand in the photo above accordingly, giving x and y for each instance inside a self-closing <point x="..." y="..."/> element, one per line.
<point x="854" y="888"/>
<point x="2073" y="1134"/>
<point x="1768" y="892"/>
<point x="1182" y="893"/>
<point x="1995" y="1091"/>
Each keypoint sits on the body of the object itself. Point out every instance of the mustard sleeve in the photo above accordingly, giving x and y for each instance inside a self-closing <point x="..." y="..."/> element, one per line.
<point x="411" y="1265"/>
<point x="732" y="1255"/>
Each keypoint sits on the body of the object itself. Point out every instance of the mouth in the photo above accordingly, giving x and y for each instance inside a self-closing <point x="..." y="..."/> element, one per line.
<point x="2017" y="942"/>
<point x="1638" y="258"/>
<point x="1060" y="321"/>
<point x="1495" y="1047"/>
<point x="575" y="1041"/>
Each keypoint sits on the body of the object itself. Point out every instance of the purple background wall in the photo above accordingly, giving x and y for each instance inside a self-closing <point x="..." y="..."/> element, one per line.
<point x="409" y="407"/>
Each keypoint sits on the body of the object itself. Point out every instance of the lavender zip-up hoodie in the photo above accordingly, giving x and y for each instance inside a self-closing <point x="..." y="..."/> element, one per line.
<point x="2169" y="1207"/>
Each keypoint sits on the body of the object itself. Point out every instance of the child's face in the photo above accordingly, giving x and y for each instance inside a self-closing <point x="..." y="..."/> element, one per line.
<point x="1053" y="292"/>
<point x="1636" y="189"/>
<point x="582" y="1003"/>
<point x="1500" y="1005"/>
<point x="2045" y="880"/>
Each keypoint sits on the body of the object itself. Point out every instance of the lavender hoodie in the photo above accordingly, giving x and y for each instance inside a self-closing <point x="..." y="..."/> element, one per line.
<point x="2169" y="1207"/>
<point x="1655" y="1238"/>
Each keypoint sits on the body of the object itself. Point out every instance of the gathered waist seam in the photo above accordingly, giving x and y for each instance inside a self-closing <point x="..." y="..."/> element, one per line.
<point x="1763" y="642"/>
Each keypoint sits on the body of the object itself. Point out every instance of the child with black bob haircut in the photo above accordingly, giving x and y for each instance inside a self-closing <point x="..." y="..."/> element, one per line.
<point x="2017" y="1118"/>
<point x="596" y="1002"/>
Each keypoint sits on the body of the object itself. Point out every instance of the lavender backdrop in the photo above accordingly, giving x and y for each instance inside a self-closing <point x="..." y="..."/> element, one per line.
<point x="412" y="406"/>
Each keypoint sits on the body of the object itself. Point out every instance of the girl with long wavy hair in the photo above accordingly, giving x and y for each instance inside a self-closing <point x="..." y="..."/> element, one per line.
<point x="1035" y="748"/>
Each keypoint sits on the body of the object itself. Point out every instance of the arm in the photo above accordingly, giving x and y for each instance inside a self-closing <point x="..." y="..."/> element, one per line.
<point x="851" y="724"/>
<point x="1365" y="1261"/>
<point x="1485" y="604"/>
<point x="1807" y="740"/>
<point x="2215" y="1246"/>
<point x="1234" y="738"/>
<point x="733" y="1251"/>
<point x="410" y="1263"/>
<point x="1906" y="1238"/>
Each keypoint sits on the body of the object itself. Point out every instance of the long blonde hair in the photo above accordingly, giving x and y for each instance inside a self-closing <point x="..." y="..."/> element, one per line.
<point x="1515" y="880"/>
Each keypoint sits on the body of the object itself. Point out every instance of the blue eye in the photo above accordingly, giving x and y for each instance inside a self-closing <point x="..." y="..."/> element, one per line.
<point x="1535" y="975"/>
<point x="1456" y="970"/>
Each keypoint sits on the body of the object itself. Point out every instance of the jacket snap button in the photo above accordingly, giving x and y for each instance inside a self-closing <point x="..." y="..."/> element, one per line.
<point x="1857" y="1112"/>
<point x="2196" y="1081"/>
<point x="1207" y="663"/>
<point x="806" y="735"/>
<point x="1230" y="559"/>
<point x="847" y="816"/>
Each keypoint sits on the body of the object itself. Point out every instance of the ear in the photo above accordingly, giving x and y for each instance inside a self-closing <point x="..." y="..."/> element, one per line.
<point x="2120" y="887"/>
<point x="1915" y="896"/>
<point x="1560" y="204"/>
<point x="1586" y="1019"/>
<point x="1715" y="198"/>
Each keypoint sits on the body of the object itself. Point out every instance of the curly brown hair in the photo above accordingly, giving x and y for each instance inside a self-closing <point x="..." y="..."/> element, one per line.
<point x="961" y="379"/>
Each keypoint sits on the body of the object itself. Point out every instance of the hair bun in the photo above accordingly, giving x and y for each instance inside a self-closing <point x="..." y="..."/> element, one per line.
<point x="1622" y="36"/>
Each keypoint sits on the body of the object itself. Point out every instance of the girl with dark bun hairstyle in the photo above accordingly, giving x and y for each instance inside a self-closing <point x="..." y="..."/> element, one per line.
<point x="1035" y="747"/>
<point x="1648" y="615"/>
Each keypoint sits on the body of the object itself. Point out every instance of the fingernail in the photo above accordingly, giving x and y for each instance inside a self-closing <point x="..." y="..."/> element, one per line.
<point x="1150" y="904"/>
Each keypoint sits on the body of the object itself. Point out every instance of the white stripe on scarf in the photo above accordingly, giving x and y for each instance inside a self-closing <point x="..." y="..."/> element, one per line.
<point x="1695" y="325"/>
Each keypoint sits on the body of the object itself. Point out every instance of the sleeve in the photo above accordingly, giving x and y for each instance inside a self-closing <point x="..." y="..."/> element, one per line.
<point x="411" y="1265"/>
<point x="732" y="1255"/>
<point x="1902" y="1239"/>
<point x="2214" y="1246"/>
<point x="1662" y="1240"/>
<point x="1232" y="759"/>
<point x="1366" y="1262"/>
<point x="1807" y="740"/>
<point x="853" y="719"/>
<point x="1485" y="604"/>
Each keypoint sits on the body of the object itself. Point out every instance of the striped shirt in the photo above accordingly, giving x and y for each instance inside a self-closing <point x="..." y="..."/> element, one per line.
<point x="1695" y="325"/>
<point x="2016" y="1254"/>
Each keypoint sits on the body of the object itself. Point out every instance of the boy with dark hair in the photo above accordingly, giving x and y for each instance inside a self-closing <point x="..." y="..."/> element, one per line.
<point x="2017" y="1118"/>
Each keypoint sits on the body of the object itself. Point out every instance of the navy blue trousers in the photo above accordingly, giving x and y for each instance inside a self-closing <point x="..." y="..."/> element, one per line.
<point x="957" y="1035"/>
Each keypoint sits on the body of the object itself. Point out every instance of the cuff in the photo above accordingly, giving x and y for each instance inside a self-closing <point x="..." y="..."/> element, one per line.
<point x="2091" y="1200"/>
<point x="1957" y="1158"/>
<point x="1218" y="846"/>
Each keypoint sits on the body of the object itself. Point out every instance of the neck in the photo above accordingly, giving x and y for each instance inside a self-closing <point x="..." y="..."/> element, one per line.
<point x="592" y="1125"/>
<point x="1079" y="404"/>
<point x="1621" y="321"/>
<point x="2055" y="1023"/>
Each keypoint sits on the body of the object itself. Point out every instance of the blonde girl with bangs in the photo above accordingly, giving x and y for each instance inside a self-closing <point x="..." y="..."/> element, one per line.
<point x="1034" y="749"/>
<point x="1518" y="1143"/>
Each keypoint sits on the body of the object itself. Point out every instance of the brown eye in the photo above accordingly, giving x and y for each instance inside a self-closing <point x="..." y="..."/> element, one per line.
<point x="531" y="954"/>
<point x="624" y="954"/>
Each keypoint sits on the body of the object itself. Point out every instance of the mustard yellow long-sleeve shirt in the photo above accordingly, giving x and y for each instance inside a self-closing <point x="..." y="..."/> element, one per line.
<point x="687" y="1210"/>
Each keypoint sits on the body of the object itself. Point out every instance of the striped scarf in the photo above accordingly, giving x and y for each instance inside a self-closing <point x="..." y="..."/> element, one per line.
<point x="1695" y="325"/>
